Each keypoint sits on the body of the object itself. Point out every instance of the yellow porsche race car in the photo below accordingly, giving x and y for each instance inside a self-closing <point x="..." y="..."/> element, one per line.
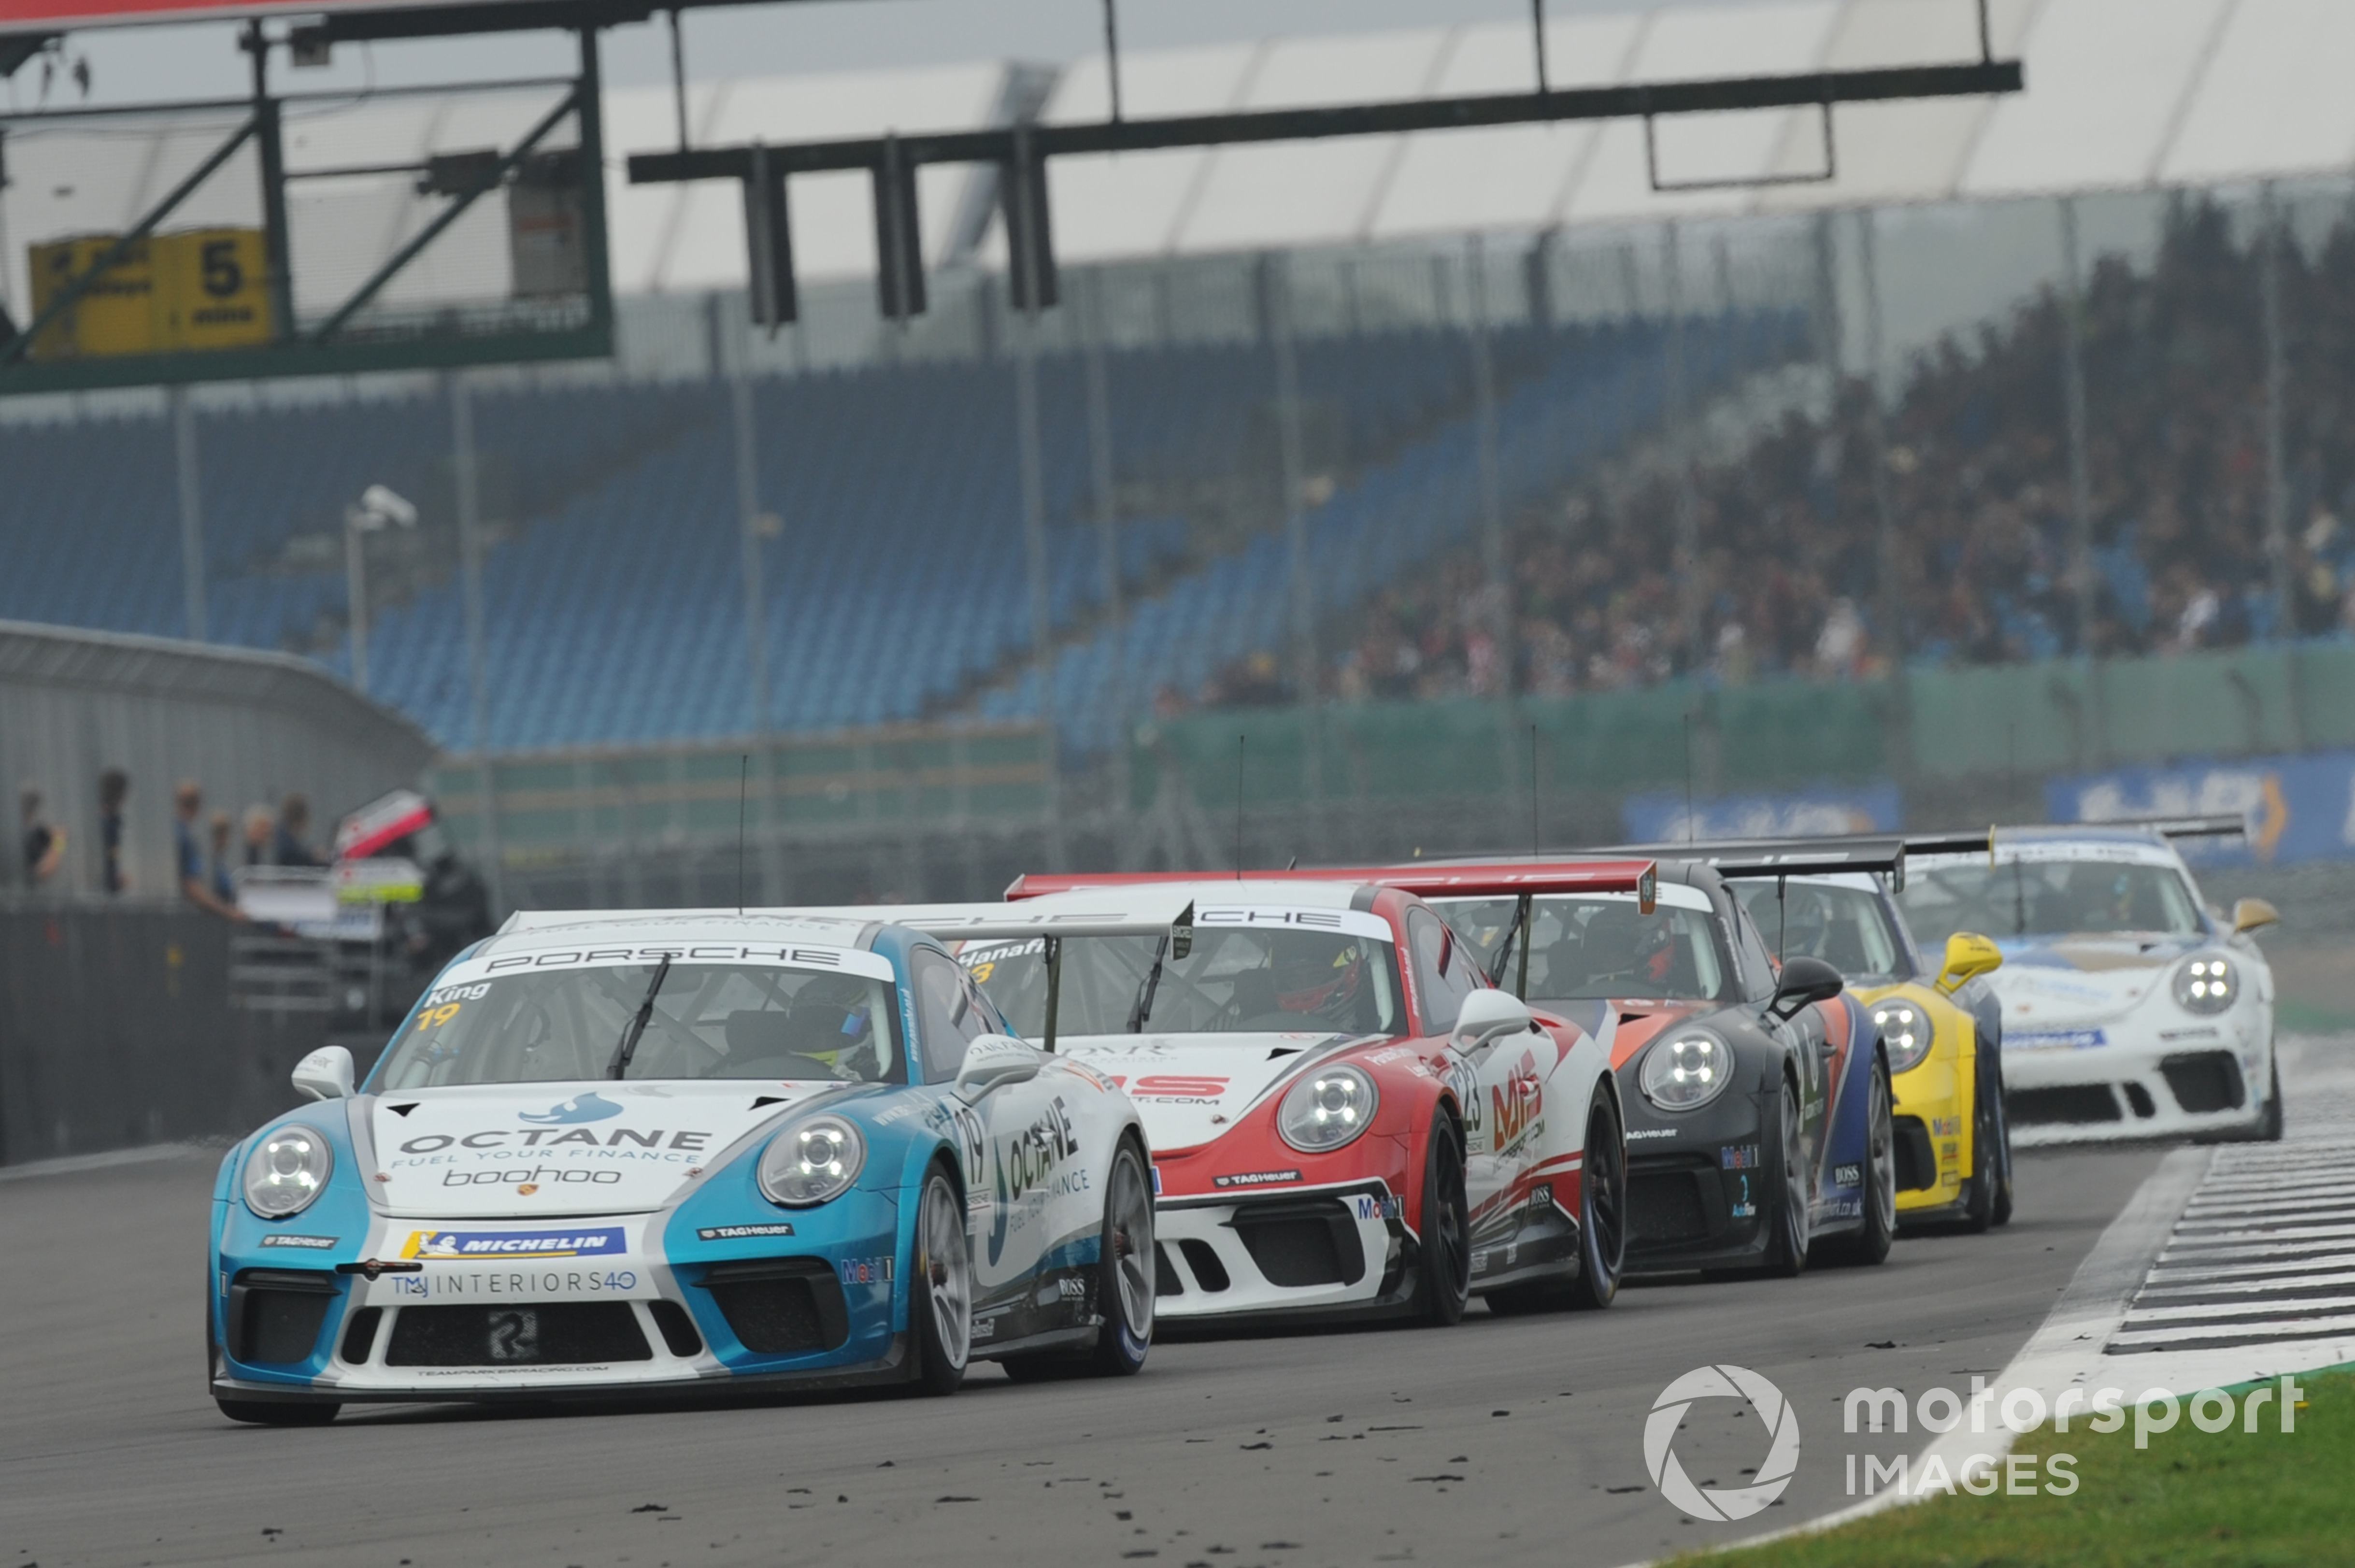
<point x="1834" y="898"/>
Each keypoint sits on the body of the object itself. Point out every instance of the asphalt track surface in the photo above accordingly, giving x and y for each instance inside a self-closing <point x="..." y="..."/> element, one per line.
<point x="1499" y="1440"/>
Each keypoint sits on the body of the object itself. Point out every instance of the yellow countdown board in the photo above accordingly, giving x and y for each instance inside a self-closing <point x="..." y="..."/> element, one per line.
<point x="116" y="315"/>
<point x="212" y="290"/>
<point x="188" y="291"/>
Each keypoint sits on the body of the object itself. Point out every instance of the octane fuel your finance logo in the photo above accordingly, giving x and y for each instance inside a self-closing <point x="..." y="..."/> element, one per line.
<point x="590" y="1107"/>
<point x="1726" y="1503"/>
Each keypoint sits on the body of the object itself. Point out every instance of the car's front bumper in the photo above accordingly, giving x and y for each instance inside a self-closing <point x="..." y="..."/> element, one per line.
<point x="1932" y="1107"/>
<point x="2139" y="1079"/>
<point x="1697" y="1183"/>
<point x="1318" y="1253"/>
<point x="659" y="1306"/>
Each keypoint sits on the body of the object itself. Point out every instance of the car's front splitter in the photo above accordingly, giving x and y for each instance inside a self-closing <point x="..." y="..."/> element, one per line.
<point x="896" y="1366"/>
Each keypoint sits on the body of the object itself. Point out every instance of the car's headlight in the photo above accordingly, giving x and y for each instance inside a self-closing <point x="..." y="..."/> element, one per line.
<point x="1906" y="1033"/>
<point x="1687" y="1071"/>
<point x="287" y="1170"/>
<point x="2207" y="984"/>
<point x="1325" y="1109"/>
<point x="811" y="1161"/>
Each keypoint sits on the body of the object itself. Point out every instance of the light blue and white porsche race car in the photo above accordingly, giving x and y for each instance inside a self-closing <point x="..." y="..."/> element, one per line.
<point x="633" y="1153"/>
<point x="2130" y="1010"/>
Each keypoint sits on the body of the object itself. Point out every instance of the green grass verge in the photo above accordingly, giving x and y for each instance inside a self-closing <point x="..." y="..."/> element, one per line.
<point x="2191" y="1500"/>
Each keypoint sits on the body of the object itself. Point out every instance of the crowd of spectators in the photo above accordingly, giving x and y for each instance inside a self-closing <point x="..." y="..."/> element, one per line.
<point x="206" y="849"/>
<point x="1976" y="479"/>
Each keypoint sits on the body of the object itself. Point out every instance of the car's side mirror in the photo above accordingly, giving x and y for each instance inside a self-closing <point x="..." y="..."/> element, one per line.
<point x="1968" y="956"/>
<point x="2250" y="914"/>
<point x="995" y="1060"/>
<point x="1489" y="1015"/>
<point x="324" y="1074"/>
<point x="1803" y="980"/>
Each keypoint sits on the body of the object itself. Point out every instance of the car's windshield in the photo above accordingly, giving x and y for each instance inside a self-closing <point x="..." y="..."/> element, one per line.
<point x="2048" y="898"/>
<point x="1595" y="945"/>
<point x="709" y="1020"/>
<point x="1848" y="928"/>
<point x="1230" y="981"/>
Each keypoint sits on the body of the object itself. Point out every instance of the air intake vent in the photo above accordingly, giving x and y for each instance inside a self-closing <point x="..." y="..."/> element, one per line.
<point x="2205" y="1081"/>
<point x="780" y="1306"/>
<point x="1297" y="1244"/>
<point x="2069" y="1103"/>
<point x="545" y="1333"/>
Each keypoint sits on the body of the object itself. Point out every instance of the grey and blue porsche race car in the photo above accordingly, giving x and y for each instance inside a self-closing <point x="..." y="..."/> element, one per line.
<point x="612" y="1153"/>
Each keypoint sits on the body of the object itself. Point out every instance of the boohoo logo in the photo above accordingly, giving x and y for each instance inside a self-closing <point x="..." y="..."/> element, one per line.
<point x="590" y="1107"/>
<point x="1731" y="1503"/>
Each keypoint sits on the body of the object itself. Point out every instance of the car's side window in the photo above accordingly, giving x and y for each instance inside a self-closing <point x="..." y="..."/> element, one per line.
<point x="1445" y="972"/>
<point x="977" y="999"/>
<point x="945" y="1013"/>
<point x="1750" y="958"/>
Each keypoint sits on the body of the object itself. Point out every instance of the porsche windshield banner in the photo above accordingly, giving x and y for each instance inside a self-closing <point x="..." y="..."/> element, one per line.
<point x="50" y="15"/>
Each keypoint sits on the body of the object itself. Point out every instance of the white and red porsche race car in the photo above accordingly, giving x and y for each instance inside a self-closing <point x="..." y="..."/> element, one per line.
<point x="1347" y="1119"/>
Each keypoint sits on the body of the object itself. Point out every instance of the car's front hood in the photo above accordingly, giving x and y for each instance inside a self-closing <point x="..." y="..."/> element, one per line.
<point x="542" y="1150"/>
<point x="1190" y="1088"/>
<point x="2057" y="984"/>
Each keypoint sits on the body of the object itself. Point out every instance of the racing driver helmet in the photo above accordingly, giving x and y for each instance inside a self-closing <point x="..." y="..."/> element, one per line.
<point x="832" y="1022"/>
<point x="1620" y="940"/>
<point x="1317" y="976"/>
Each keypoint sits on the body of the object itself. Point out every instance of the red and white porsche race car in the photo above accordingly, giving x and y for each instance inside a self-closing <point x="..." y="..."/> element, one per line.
<point x="1347" y="1119"/>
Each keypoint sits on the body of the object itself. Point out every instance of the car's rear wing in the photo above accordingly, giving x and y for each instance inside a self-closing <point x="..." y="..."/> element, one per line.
<point x="1524" y="882"/>
<point x="2231" y="826"/>
<point x="1754" y="858"/>
<point x="1502" y="878"/>
<point x="1111" y="912"/>
<point x="1881" y="853"/>
<point x="1167" y="914"/>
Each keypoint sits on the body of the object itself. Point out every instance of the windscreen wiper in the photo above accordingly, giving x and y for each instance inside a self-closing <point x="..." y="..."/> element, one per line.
<point x="1144" y="993"/>
<point x="636" y="1027"/>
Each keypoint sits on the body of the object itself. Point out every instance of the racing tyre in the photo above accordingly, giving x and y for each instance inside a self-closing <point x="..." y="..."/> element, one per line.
<point x="1125" y="1293"/>
<point x="1602" y="1210"/>
<point x="1124" y="1285"/>
<point x="942" y="1294"/>
<point x="1446" y="1268"/>
<point x="1869" y="1243"/>
<point x="1787" y="1250"/>
<point x="2269" y="1130"/>
<point x="2002" y="1214"/>
<point x="1602" y="1230"/>
<point x="1990" y="1171"/>
<point x="270" y="1412"/>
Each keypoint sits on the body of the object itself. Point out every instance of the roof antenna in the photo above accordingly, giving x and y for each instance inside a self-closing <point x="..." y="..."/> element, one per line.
<point x="1535" y="838"/>
<point x="1782" y="919"/>
<point x="1240" y="741"/>
<point x="743" y="781"/>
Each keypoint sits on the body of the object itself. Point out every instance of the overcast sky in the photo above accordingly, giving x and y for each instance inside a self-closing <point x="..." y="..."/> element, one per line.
<point x="132" y="64"/>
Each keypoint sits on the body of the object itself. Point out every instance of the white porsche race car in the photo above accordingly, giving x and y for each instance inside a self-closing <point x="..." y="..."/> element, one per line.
<point x="2130" y="1010"/>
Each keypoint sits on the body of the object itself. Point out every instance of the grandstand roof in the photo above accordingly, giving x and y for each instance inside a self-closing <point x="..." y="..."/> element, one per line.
<point x="2121" y="94"/>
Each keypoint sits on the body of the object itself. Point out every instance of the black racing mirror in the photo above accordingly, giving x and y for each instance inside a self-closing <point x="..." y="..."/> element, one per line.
<point x="1804" y="981"/>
